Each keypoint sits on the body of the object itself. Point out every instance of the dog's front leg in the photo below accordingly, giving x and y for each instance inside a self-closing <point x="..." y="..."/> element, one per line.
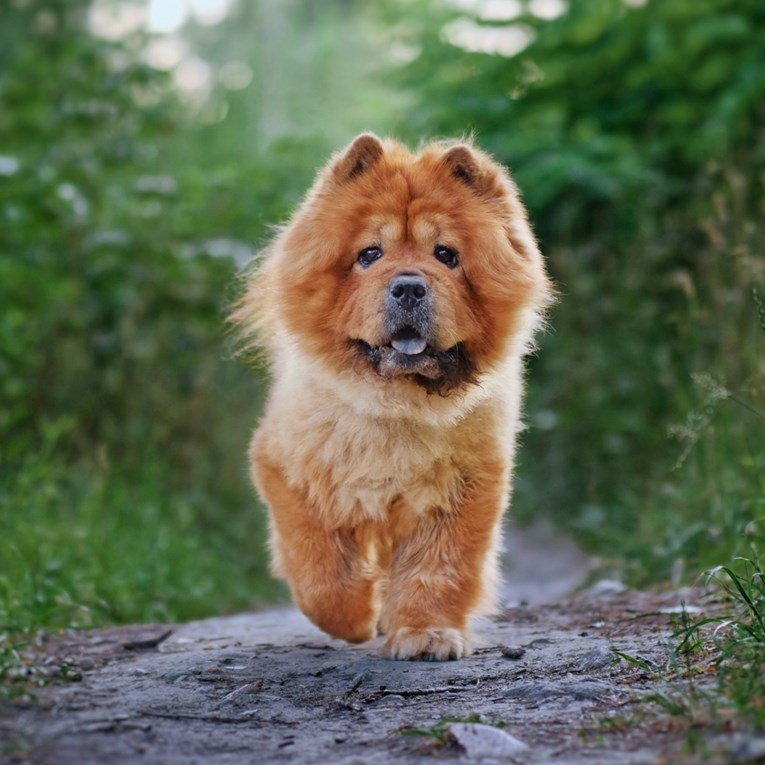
<point x="325" y="567"/>
<point x="443" y="571"/>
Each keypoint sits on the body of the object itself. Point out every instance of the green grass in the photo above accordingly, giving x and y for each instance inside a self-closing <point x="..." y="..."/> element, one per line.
<point x="712" y="679"/>
<point x="94" y="545"/>
<point x="734" y="643"/>
<point x="696" y="512"/>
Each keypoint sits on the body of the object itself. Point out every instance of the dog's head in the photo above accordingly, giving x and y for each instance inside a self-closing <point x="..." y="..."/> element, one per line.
<point x="414" y="270"/>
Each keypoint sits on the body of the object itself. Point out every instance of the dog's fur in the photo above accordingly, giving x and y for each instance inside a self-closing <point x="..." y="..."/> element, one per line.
<point x="386" y="472"/>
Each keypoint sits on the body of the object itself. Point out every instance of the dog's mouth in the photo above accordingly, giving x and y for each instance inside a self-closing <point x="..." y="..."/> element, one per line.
<point x="407" y="352"/>
<point x="408" y="342"/>
<point x="410" y="354"/>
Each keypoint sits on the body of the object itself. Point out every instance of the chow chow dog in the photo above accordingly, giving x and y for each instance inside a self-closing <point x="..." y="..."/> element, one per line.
<point x="394" y="309"/>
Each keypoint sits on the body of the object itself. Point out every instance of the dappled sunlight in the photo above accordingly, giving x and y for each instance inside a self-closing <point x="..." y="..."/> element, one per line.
<point x="166" y="15"/>
<point x="117" y="20"/>
<point x="507" y="40"/>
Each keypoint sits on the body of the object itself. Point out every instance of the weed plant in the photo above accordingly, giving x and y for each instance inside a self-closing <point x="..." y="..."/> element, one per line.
<point x="83" y="548"/>
<point x="647" y="195"/>
<point x="716" y="664"/>
<point x="733" y="644"/>
<point x="737" y="642"/>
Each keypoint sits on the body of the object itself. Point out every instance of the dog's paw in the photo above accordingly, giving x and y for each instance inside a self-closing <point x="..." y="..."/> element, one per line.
<point x="429" y="644"/>
<point x="344" y="612"/>
<point x="354" y="623"/>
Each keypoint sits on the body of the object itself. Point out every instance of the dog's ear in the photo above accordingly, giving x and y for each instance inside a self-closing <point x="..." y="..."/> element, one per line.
<point x="492" y="182"/>
<point x="478" y="172"/>
<point x="365" y="151"/>
<point x="463" y="165"/>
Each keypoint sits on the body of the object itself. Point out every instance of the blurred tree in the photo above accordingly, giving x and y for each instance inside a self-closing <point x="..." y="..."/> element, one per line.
<point x="133" y="184"/>
<point x="637" y="134"/>
<point x="130" y="193"/>
<point x="99" y="296"/>
<point x="608" y="99"/>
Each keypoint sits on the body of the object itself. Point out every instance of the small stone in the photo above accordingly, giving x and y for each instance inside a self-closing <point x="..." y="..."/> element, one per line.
<point x="595" y="659"/>
<point x="607" y="587"/>
<point x="393" y="699"/>
<point x="683" y="608"/>
<point x="746" y="748"/>
<point x="484" y="742"/>
<point x="512" y="651"/>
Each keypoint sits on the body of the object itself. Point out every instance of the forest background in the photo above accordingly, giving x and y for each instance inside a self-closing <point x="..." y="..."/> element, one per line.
<point x="145" y="150"/>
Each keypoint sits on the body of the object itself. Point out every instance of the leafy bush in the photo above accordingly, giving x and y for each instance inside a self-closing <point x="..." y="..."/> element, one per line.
<point x="126" y="210"/>
<point x="636" y="134"/>
<point x="115" y="270"/>
<point x="84" y="547"/>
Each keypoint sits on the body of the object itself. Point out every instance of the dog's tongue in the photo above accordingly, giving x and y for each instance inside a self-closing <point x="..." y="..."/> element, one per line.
<point x="410" y="346"/>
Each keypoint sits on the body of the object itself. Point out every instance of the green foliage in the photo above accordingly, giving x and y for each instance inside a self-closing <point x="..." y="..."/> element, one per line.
<point x="636" y="135"/>
<point x="760" y="307"/>
<point x="97" y="547"/>
<point x="11" y="663"/>
<point x="608" y="103"/>
<point x="126" y="209"/>
<point x="740" y="639"/>
<point x="733" y="644"/>
<point x="124" y="490"/>
<point x="113" y="299"/>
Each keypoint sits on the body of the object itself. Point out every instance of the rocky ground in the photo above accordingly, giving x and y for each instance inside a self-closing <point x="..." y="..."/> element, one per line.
<point x="546" y="685"/>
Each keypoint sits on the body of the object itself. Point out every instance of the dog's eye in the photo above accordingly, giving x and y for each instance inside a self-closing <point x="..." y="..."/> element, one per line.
<point x="368" y="256"/>
<point x="447" y="255"/>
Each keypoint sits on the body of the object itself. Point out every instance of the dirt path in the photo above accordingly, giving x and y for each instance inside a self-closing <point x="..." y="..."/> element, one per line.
<point x="270" y="688"/>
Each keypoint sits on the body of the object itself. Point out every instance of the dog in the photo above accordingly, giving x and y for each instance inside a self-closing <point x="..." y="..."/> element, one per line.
<point x="394" y="309"/>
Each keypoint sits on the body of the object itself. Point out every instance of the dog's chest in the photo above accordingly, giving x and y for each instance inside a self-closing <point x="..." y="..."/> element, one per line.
<point x="358" y="470"/>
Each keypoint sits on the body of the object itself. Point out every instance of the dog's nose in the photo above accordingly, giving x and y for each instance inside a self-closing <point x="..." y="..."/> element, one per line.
<point x="408" y="290"/>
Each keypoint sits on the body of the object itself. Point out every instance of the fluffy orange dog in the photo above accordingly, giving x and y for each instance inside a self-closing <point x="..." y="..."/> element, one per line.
<point x="395" y="309"/>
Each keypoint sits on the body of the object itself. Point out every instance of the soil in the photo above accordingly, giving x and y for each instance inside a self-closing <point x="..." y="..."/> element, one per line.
<point x="545" y="685"/>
